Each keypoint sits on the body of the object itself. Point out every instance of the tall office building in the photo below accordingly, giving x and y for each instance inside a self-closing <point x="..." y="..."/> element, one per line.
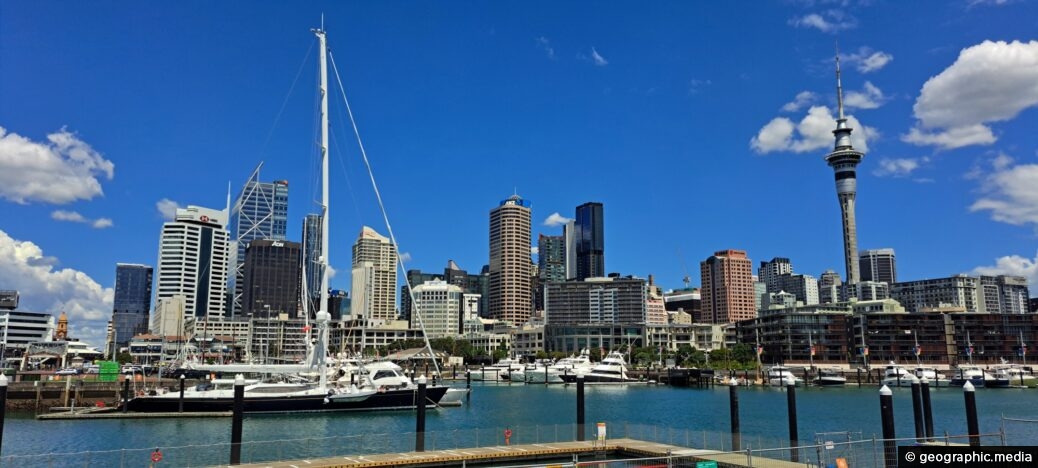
<point x="844" y="160"/>
<point x="878" y="265"/>
<point x="510" y="265"/>
<point x="271" y="284"/>
<point x="194" y="261"/>
<point x="374" y="277"/>
<point x="569" y="241"/>
<point x="727" y="290"/>
<point x="131" y="304"/>
<point x="770" y="271"/>
<point x="311" y="267"/>
<point x="551" y="258"/>
<point x="452" y="274"/>
<point x="260" y="212"/>
<point x="590" y="238"/>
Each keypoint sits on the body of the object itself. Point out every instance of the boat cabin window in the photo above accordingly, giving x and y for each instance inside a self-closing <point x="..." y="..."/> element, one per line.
<point x="383" y="374"/>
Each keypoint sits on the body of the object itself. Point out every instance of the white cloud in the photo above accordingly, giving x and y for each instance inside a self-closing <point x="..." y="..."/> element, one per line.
<point x="831" y="21"/>
<point x="405" y="257"/>
<point x="1001" y="162"/>
<point x="556" y="219"/>
<point x="866" y="60"/>
<point x="951" y="138"/>
<point x="75" y="217"/>
<point x="45" y="288"/>
<point x="1013" y="265"/>
<point x="989" y="82"/>
<point x="167" y="208"/>
<point x="545" y="45"/>
<point x="534" y="250"/>
<point x="902" y="167"/>
<point x="869" y="98"/>
<point x="62" y="215"/>
<point x="803" y="99"/>
<point x="996" y="3"/>
<point x="61" y="171"/>
<point x="598" y="59"/>
<point x="1011" y="193"/>
<point x="814" y="132"/>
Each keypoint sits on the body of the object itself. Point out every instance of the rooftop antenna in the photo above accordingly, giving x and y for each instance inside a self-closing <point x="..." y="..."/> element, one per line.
<point x="839" y="87"/>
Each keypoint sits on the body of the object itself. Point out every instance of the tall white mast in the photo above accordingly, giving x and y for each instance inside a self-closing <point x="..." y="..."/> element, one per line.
<point x="323" y="317"/>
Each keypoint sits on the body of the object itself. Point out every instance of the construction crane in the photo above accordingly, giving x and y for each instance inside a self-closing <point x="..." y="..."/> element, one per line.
<point x="686" y="279"/>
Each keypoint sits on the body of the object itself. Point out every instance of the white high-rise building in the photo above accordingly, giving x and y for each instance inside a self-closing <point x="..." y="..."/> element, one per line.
<point x="438" y="303"/>
<point x="194" y="261"/>
<point x="374" y="277"/>
<point x="770" y="272"/>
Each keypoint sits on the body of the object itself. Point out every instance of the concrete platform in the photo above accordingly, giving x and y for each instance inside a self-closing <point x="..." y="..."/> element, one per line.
<point x="590" y="451"/>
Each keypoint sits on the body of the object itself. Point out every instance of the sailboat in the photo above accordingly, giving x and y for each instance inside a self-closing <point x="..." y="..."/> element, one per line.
<point x="969" y="372"/>
<point x="382" y="386"/>
<point x="926" y="372"/>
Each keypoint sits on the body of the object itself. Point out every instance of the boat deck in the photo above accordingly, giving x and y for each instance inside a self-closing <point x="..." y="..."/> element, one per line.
<point x="597" y="451"/>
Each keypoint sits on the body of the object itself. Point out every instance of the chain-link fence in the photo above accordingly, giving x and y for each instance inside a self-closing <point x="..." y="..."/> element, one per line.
<point x="687" y="447"/>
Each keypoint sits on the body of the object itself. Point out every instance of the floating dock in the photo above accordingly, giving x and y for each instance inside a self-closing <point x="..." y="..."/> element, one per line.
<point x="116" y="413"/>
<point x="555" y="453"/>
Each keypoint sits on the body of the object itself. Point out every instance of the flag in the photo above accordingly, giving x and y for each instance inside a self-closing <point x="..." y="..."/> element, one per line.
<point x="760" y="350"/>
<point x="812" y="351"/>
<point x="1023" y="350"/>
<point x="917" y="350"/>
<point x="865" y="351"/>
<point x="306" y="329"/>
<point x="969" y="351"/>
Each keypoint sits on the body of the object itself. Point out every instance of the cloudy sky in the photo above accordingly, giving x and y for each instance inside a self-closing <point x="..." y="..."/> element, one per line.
<point x="700" y="126"/>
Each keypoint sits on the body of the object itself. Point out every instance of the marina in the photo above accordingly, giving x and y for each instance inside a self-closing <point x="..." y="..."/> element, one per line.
<point x="533" y="412"/>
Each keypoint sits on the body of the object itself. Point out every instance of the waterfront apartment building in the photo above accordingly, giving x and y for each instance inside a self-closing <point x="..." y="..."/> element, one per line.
<point x="271" y="280"/>
<point x="590" y="241"/>
<point x="374" y="277"/>
<point x="596" y="301"/>
<point x="438" y="308"/>
<point x="511" y="294"/>
<point x="194" y="261"/>
<point x="311" y="266"/>
<point x="278" y="338"/>
<point x="727" y="289"/>
<point x="990" y="294"/>
<point x="878" y="265"/>
<point x="131" y="304"/>
<point x="260" y="212"/>
<point x="770" y="271"/>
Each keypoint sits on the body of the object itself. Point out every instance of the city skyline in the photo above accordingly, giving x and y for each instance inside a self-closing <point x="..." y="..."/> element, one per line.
<point x="697" y="135"/>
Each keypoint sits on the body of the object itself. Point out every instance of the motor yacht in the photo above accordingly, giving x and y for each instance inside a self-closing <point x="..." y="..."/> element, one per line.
<point x="781" y="376"/>
<point x="612" y="369"/>
<point x="575" y="365"/>
<point x="895" y="375"/>
<point x="971" y="373"/>
<point x="829" y="377"/>
<point x="497" y="372"/>
<point x="934" y="378"/>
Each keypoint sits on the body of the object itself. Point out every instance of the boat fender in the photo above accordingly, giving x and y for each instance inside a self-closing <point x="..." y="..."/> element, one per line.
<point x="156" y="456"/>
<point x="100" y="404"/>
<point x="381" y="389"/>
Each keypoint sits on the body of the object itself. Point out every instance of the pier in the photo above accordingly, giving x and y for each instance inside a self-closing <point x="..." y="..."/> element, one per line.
<point x="557" y="453"/>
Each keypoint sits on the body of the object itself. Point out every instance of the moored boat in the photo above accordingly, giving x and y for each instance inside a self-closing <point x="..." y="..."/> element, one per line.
<point x="895" y="375"/>
<point x="612" y="369"/>
<point x="829" y="377"/>
<point x="781" y="376"/>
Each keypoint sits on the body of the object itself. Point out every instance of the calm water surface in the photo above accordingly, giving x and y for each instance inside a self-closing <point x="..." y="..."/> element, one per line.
<point x="495" y="406"/>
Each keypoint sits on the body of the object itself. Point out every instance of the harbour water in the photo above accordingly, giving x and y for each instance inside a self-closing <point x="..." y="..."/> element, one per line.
<point x="692" y="413"/>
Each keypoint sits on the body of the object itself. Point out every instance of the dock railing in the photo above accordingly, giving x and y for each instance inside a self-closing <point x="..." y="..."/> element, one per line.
<point x="756" y="451"/>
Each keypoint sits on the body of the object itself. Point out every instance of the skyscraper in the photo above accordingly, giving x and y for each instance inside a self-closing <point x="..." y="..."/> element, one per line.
<point x="440" y="308"/>
<point x="551" y="258"/>
<point x="878" y="265"/>
<point x="194" y="261"/>
<point x="374" y="276"/>
<point x="727" y="290"/>
<point x="844" y="160"/>
<point x="131" y="304"/>
<point x="311" y="250"/>
<point x="590" y="237"/>
<point x="829" y="287"/>
<point x="510" y="264"/>
<point x="261" y="212"/>
<point x="271" y="284"/>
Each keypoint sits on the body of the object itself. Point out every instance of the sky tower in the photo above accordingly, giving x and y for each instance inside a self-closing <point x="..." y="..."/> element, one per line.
<point x="844" y="160"/>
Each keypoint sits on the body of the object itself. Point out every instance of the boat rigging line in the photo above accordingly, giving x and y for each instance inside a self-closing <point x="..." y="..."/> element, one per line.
<point x="382" y="208"/>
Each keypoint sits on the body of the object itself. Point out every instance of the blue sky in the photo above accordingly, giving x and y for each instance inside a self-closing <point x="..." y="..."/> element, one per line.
<point x="700" y="126"/>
